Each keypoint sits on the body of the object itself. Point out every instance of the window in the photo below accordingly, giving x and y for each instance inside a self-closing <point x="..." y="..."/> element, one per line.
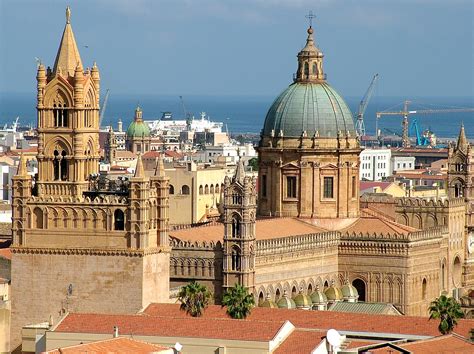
<point x="328" y="187"/>
<point x="291" y="186"/>
<point x="306" y="70"/>
<point x="171" y="189"/>
<point x="264" y="185"/>
<point x="354" y="187"/>
<point x="185" y="189"/>
<point x="423" y="289"/>
<point x="119" y="220"/>
<point x="60" y="115"/>
<point x="235" y="258"/>
<point x="235" y="226"/>
<point x="60" y="166"/>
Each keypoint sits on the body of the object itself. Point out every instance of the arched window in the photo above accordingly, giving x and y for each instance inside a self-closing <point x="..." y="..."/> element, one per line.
<point x="211" y="190"/>
<point x="235" y="226"/>
<point x="37" y="218"/>
<point x="56" y="163"/>
<point x="326" y="285"/>
<point x="315" y="69"/>
<point x="119" y="220"/>
<point x="60" y="165"/>
<point x="293" y="292"/>
<point x="60" y="114"/>
<point x="277" y="295"/>
<point x="235" y="258"/>
<point x="201" y="189"/>
<point x="185" y="189"/>
<point x="217" y="188"/>
<point x="171" y="189"/>
<point x="458" y="190"/>
<point x="260" y="299"/>
<point x="423" y="289"/>
<point x="310" y="289"/>
<point x="306" y="70"/>
<point x="206" y="189"/>
<point x="457" y="271"/>
<point x="359" y="284"/>
<point x="64" y="166"/>
<point x="443" y="276"/>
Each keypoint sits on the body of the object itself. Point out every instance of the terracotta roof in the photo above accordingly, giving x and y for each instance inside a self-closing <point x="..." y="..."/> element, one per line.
<point x="265" y="229"/>
<point x="369" y="184"/>
<point x="6" y="253"/>
<point x="301" y="341"/>
<point x="114" y="345"/>
<point x="125" y="153"/>
<point x="450" y="343"/>
<point x="324" y="320"/>
<point x="173" y="154"/>
<point x="371" y="224"/>
<point x="151" y="154"/>
<point x="179" y="326"/>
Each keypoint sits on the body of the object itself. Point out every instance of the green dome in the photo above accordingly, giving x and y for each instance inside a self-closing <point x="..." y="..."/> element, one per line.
<point x="318" y="297"/>
<point x="349" y="291"/>
<point x="311" y="107"/>
<point x="269" y="303"/>
<point x="333" y="293"/>
<point x="302" y="300"/>
<point x="138" y="130"/>
<point x="286" y="303"/>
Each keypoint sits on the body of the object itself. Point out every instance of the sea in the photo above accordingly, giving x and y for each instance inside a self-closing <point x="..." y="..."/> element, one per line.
<point x="246" y="114"/>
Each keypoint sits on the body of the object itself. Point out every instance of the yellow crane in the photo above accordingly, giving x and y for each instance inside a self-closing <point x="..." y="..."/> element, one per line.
<point x="406" y="112"/>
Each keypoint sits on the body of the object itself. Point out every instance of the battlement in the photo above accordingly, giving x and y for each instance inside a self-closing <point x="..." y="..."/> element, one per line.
<point x="177" y="244"/>
<point x="421" y="202"/>
<point x="297" y="243"/>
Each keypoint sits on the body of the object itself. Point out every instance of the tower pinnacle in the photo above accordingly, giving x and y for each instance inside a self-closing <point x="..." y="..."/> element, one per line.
<point x="68" y="57"/>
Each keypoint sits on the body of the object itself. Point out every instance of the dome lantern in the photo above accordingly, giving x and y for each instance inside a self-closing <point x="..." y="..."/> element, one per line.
<point x="349" y="292"/>
<point x="319" y="299"/>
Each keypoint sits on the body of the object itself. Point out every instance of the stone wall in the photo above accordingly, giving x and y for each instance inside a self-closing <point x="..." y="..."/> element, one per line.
<point x="103" y="282"/>
<point x="200" y="261"/>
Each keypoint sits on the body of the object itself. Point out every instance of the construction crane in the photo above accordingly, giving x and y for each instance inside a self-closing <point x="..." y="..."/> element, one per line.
<point x="104" y="106"/>
<point x="360" y="126"/>
<point x="406" y="112"/>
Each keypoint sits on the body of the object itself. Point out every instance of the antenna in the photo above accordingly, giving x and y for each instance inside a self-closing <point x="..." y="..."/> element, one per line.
<point x="334" y="338"/>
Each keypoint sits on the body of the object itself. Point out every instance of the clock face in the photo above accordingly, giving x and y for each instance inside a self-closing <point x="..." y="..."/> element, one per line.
<point x="470" y="243"/>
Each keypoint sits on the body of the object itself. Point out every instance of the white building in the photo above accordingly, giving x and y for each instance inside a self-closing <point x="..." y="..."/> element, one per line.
<point x="402" y="163"/>
<point x="375" y="164"/>
<point x="231" y="152"/>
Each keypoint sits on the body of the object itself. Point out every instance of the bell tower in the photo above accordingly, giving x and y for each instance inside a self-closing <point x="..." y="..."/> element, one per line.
<point x="82" y="241"/>
<point x="240" y="206"/>
<point x="68" y="120"/>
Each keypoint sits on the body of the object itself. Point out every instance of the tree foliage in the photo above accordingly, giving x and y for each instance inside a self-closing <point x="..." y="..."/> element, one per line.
<point x="447" y="310"/>
<point x="194" y="298"/>
<point x="253" y="162"/>
<point x="238" y="301"/>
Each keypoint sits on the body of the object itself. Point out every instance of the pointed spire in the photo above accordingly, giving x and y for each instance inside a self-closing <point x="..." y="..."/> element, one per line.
<point x="139" y="169"/>
<point x="240" y="172"/>
<point x="160" y="167"/>
<point x="68" y="57"/>
<point x="21" y="171"/>
<point x="462" y="140"/>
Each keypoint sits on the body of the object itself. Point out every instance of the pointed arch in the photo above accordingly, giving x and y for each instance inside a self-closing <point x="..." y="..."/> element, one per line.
<point x="58" y="89"/>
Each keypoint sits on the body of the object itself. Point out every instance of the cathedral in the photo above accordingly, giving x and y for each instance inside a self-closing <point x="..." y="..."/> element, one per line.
<point x="309" y="233"/>
<point x="85" y="243"/>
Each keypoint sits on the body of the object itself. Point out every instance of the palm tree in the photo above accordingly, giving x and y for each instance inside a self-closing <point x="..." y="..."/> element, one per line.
<point x="194" y="298"/>
<point x="238" y="301"/>
<point x="448" y="310"/>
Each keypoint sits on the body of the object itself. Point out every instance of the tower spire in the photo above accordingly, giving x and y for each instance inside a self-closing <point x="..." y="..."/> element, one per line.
<point x="68" y="57"/>
<point x="462" y="140"/>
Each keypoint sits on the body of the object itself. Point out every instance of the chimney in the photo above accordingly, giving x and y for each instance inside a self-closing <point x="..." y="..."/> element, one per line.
<point x="116" y="333"/>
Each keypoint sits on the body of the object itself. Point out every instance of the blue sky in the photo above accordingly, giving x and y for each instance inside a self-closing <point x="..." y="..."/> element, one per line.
<point x="243" y="47"/>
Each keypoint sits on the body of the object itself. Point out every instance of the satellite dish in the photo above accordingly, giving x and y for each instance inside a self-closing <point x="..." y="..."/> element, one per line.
<point x="334" y="338"/>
